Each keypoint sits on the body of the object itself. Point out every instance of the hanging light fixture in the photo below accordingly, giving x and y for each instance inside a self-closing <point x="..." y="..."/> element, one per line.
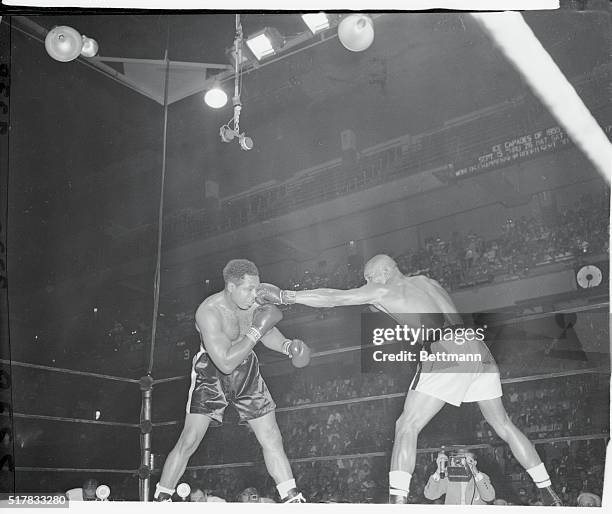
<point x="265" y="43"/>
<point x="65" y="44"/>
<point x="90" y="47"/>
<point x="231" y="129"/>
<point x="316" y="22"/>
<point x="215" y="97"/>
<point x="356" y="32"/>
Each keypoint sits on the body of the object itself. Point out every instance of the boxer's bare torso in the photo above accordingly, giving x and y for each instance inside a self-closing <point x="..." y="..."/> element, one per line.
<point x="234" y="322"/>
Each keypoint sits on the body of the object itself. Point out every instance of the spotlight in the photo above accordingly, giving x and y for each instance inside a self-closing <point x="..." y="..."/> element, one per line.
<point x="63" y="43"/>
<point x="356" y="32"/>
<point x="316" y="22"/>
<point x="246" y="143"/>
<point x="90" y="47"/>
<point x="264" y="43"/>
<point x="215" y="97"/>
<point x="103" y="492"/>
<point x="227" y="134"/>
<point x="183" y="490"/>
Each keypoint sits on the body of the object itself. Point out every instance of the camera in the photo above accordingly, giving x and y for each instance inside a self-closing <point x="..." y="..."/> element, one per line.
<point x="458" y="469"/>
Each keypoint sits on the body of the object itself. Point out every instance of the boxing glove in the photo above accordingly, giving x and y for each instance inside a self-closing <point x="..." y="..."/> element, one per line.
<point x="270" y="294"/>
<point x="299" y="352"/>
<point x="264" y="318"/>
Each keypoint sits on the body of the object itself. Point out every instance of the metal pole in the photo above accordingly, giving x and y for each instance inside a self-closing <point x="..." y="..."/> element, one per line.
<point x="146" y="427"/>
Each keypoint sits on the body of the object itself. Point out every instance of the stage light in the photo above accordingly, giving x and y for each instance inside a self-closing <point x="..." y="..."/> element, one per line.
<point x="356" y="32"/>
<point x="103" y="492"/>
<point x="63" y="43"/>
<point x="90" y="47"/>
<point x="215" y="97"/>
<point x="264" y="43"/>
<point x="316" y="22"/>
<point x="246" y="143"/>
<point x="227" y="134"/>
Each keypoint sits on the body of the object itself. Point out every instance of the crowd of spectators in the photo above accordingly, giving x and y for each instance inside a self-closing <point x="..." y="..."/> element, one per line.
<point x="466" y="260"/>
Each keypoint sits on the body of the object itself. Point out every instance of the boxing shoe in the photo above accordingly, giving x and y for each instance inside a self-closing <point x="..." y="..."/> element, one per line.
<point x="397" y="498"/>
<point x="162" y="494"/>
<point x="293" y="496"/>
<point x="550" y="497"/>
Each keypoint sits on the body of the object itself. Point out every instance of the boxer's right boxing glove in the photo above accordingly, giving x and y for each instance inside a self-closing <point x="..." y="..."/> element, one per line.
<point x="264" y="318"/>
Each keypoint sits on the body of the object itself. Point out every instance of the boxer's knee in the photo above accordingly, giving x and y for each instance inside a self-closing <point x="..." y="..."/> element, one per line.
<point x="408" y="422"/>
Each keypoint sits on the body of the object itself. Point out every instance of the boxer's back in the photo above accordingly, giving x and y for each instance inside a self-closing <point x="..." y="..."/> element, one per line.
<point x="418" y="300"/>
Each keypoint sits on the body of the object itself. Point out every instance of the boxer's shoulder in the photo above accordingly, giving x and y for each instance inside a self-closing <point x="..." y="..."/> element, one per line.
<point x="210" y="307"/>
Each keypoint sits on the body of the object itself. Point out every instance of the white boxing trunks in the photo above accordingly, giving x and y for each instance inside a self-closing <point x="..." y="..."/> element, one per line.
<point x="458" y="381"/>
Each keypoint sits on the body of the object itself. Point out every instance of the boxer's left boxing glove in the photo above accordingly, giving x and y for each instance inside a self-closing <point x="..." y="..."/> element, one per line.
<point x="269" y="293"/>
<point x="298" y="351"/>
<point x="264" y="319"/>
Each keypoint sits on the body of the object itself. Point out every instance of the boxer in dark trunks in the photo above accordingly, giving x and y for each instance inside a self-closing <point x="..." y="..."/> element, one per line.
<point x="411" y="301"/>
<point x="226" y="371"/>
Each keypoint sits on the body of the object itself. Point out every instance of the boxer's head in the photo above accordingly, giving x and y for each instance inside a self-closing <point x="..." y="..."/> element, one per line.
<point x="380" y="269"/>
<point x="241" y="281"/>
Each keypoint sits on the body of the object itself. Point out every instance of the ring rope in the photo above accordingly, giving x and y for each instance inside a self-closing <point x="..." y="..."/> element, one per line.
<point x="78" y="470"/>
<point x="321" y="458"/>
<point x="68" y="371"/>
<point x="72" y="420"/>
<point x="296" y="407"/>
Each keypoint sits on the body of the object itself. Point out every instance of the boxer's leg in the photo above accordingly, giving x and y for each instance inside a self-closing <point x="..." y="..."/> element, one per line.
<point x="522" y="448"/>
<point x="268" y="434"/>
<point x="188" y="442"/>
<point x="419" y="408"/>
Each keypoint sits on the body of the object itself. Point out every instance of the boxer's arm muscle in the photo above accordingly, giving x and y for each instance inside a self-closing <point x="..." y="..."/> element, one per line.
<point x="274" y="340"/>
<point x="225" y="355"/>
<point x="368" y="294"/>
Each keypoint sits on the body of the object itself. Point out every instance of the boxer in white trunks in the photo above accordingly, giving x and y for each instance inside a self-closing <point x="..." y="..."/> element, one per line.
<point x="421" y="301"/>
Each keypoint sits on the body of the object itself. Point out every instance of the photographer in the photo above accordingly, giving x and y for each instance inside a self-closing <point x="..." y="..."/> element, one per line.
<point x="460" y="480"/>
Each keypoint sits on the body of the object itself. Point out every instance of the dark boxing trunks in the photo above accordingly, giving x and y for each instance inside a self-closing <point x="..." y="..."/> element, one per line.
<point x="212" y="391"/>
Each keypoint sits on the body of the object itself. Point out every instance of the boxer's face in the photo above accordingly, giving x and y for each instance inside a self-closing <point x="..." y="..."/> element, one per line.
<point x="243" y="293"/>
